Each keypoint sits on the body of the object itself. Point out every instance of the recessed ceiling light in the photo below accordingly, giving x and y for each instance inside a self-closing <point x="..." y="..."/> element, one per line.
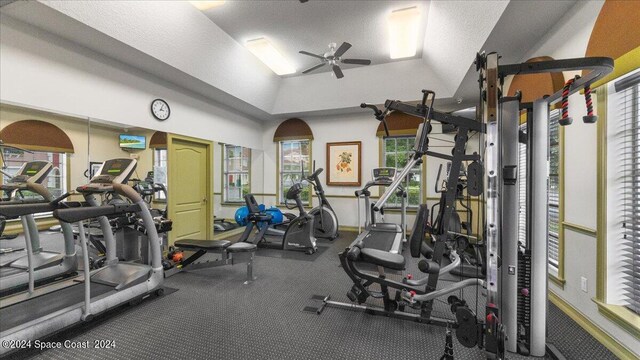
<point x="206" y="5"/>
<point x="268" y="54"/>
<point x="403" y="32"/>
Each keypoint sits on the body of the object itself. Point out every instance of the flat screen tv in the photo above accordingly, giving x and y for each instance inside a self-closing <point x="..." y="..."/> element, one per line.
<point x="135" y="142"/>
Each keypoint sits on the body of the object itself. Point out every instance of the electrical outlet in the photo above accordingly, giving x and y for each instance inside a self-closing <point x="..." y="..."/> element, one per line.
<point x="583" y="283"/>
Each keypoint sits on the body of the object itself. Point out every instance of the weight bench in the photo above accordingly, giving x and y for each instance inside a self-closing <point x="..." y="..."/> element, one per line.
<point x="230" y="254"/>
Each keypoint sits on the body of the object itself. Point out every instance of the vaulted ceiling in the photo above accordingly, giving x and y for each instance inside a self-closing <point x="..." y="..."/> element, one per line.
<point x="203" y="51"/>
<point x="293" y="26"/>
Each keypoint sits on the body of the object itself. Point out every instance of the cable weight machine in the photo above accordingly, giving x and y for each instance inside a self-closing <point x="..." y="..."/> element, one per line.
<point x="513" y="276"/>
<point x="508" y="328"/>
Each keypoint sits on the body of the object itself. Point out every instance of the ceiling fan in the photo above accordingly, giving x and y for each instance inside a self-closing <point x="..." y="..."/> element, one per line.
<point x="333" y="57"/>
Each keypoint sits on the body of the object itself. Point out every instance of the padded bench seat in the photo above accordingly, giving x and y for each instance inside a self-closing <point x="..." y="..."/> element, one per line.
<point x="383" y="258"/>
<point x="241" y="246"/>
<point x="228" y="254"/>
<point x="193" y="244"/>
<point x="215" y="245"/>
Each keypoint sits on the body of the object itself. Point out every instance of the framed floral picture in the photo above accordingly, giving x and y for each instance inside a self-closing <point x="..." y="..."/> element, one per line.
<point x="344" y="163"/>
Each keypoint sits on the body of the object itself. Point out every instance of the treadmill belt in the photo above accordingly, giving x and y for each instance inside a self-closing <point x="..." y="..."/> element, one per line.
<point x="8" y="271"/>
<point x="37" y="307"/>
<point x="379" y="240"/>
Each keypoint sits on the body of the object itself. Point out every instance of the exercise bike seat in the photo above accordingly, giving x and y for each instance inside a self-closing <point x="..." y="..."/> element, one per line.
<point x="193" y="244"/>
<point x="383" y="258"/>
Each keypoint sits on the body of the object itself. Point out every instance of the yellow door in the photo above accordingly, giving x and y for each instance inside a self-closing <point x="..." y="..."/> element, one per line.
<point x="190" y="172"/>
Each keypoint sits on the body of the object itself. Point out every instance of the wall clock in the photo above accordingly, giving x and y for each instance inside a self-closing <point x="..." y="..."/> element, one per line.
<point x="160" y="109"/>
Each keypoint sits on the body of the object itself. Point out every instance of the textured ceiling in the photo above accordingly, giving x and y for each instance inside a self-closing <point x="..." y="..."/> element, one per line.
<point x="202" y="52"/>
<point x="293" y="26"/>
<point x="512" y="37"/>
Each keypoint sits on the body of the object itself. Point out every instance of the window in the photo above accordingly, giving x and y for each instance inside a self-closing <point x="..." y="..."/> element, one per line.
<point x="554" y="187"/>
<point x="624" y="174"/>
<point x="236" y="164"/>
<point x="295" y="156"/>
<point x="160" y="171"/>
<point x="56" y="181"/>
<point x="396" y="151"/>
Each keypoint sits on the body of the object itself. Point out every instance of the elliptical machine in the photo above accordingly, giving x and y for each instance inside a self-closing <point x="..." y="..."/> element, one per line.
<point x="298" y="235"/>
<point x="325" y="225"/>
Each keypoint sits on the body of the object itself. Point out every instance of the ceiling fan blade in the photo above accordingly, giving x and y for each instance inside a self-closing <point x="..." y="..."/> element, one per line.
<point x="342" y="49"/>
<point x="310" y="54"/>
<point x="337" y="71"/>
<point x="314" y="67"/>
<point x="356" y="61"/>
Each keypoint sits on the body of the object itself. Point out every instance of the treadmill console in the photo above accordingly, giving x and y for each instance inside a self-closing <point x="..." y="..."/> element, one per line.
<point x="145" y="188"/>
<point x="114" y="171"/>
<point x="32" y="171"/>
<point x="383" y="175"/>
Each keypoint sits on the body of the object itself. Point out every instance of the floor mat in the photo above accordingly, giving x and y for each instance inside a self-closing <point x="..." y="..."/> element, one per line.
<point x="291" y="254"/>
<point x="215" y="316"/>
<point x="76" y="331"/>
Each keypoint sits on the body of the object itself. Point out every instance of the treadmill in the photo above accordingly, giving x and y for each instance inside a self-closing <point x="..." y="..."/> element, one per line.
<point x="39" y="315"/>
<point x="382" y="236"/>
<point x="34" y="172"/>
<point x="47" y="265"/>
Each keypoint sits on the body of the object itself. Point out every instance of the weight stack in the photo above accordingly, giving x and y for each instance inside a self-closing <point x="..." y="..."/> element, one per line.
<point x="524" y="300"/>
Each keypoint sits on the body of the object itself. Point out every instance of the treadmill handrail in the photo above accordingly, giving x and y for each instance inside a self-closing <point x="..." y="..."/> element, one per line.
<point x="72" y="215"/>
<point x="40" y="190"/>
<point x="12" y="211"/>
<point x="15" y="209"/>
<point x="396" y="183"/>
<point x="373" y="183"/>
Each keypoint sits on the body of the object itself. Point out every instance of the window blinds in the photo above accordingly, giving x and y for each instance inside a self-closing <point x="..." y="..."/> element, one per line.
<point x="554" y="193"/>
<point x="629" y="134"/>
<point x="522" y="191"/>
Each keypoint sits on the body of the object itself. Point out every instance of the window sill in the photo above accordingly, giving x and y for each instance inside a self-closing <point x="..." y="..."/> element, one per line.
<point x="621" y="316"/>
<point x="557" y="281"/>
<point x="232" y="203"/>
<point x="283" y="207"/>
<point x="14" y="227"/>
<point x="579" y="228"/>
<point x="398" y="211"/>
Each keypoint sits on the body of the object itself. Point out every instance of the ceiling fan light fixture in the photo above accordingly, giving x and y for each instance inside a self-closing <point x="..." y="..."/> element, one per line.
<point x="206" y="5"/>
<point x="403" y="32"/>
<point x="270" y="56"/>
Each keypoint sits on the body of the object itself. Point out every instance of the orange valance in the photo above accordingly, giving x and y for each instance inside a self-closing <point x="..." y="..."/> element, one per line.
<point x="293" y="129"/>
<point x="36" y="135"/>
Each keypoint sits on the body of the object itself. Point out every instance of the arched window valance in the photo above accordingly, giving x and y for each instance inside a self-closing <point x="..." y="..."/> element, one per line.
<point x="400" y="124"/>
<point x="535" y="86"/>
<point x="616" y="34"/>
<point x="293" y="129"/>
<point x="36" y="135"/>
<point x="158" y="140"/>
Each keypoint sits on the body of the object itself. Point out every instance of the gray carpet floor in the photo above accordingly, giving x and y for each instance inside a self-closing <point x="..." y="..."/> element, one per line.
<point x="214" y="316"/>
